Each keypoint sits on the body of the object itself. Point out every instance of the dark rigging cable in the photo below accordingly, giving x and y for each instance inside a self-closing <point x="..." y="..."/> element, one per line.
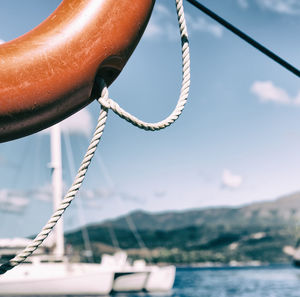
<point x="245" y="37"/>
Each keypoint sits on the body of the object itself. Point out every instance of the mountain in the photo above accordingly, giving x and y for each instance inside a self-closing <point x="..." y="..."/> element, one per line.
<point x="283" y="210"/>
<point x="255" y="232"/>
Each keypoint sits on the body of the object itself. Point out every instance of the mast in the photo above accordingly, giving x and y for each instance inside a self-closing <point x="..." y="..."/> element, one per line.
<point x="56" y="165"/>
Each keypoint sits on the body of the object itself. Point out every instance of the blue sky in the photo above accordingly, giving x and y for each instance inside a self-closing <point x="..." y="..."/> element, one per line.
<point x="238" y="140"/>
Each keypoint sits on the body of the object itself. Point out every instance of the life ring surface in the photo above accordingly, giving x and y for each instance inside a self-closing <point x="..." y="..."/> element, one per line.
<point x="49" y="73"/>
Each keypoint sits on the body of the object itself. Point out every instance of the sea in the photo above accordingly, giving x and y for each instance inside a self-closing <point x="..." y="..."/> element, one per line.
<point x="264" y="281"/>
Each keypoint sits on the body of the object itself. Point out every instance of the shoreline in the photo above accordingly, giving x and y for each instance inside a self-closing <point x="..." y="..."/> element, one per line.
<point x="251" y="264"/>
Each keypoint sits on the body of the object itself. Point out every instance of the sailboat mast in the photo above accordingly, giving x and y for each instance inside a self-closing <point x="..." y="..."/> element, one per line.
<point x="56" y="164"/>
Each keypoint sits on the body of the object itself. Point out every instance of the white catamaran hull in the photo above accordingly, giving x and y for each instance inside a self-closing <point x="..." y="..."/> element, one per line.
<point x="161" y="279"/>
<point x="57" y="279"/>
<point x="138" y="276"/>
<point x="149" y="278"/>
<point x="130" y="281"/>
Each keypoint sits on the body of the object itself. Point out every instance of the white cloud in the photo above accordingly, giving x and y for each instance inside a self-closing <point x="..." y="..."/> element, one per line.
<point x="202" y="25"/>
<point x="1" y="41"/>
<point x="12" y="202"/>
<point x="163" y="25"/>
<point x="43" y="193"/>
<point x="153" y="30"/>
<point x="268" y="92"/>
<point x="291" y="7"/>
<point x="281" y="6"/>
<point x="297" y="99"/>
<point x="243" y="3"/>
<point x="230" y="180"/>
<point x="80" y="123"/>
<point x="161" y="9"/>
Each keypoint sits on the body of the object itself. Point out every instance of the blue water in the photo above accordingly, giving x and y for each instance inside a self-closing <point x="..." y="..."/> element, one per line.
<point x="272" y="281"/>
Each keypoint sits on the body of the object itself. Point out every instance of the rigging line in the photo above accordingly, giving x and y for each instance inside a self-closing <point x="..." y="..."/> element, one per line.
<point x="136" y="234"/>
<point x="246" y="38"/>
<point x="138" y="237"/>
<point x="129" y="220"/>
<point x="36" y="161"/>
<point x="109" y="180"/>
<point x="78" y="202"/>
<point x="113" y="237"/>
<point x="15" y="182"/>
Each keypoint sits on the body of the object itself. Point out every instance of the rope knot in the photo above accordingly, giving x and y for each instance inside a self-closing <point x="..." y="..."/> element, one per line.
<point x="103" y="99"/>
<point x="105" y="102"/>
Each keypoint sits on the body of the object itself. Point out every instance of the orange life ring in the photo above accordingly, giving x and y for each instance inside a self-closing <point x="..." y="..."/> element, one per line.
<point x="49" y="73"/>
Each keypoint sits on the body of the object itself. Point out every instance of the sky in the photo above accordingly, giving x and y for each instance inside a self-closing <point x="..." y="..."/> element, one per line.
<point x="237" y="141"/>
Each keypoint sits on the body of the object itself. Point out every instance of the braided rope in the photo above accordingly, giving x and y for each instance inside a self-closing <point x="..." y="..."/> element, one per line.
<point x="22" y="256"/>
<point x="106" y="104"/>
<point x="185" y="85"/>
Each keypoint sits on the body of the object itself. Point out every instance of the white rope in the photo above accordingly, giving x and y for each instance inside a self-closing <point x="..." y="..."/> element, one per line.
<point x="185" y="85"/>
<point x="21" y="257"/>
<point x="106" y="104"/>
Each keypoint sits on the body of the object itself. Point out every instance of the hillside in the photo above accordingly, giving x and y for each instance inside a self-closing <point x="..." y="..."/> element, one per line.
<point x="256" y="232"/>
<point x="283" y="210"/>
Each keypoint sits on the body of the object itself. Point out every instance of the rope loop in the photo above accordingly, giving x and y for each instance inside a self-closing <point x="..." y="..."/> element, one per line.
<point x="106" y="104"/>
<point x="185" y="85"/>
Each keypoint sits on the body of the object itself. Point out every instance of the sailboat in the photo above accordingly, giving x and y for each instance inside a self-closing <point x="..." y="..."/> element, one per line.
<point x="128" y="276"/>
<point x="54" y="274"/>
<point x="58" y="92"/>
<point x="138" y="276"/>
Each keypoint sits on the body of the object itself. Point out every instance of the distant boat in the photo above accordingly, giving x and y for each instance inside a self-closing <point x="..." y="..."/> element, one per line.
<point x="46" y="276"/>
<point x="138" y="276"/>
<point x="53" y="274"/>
